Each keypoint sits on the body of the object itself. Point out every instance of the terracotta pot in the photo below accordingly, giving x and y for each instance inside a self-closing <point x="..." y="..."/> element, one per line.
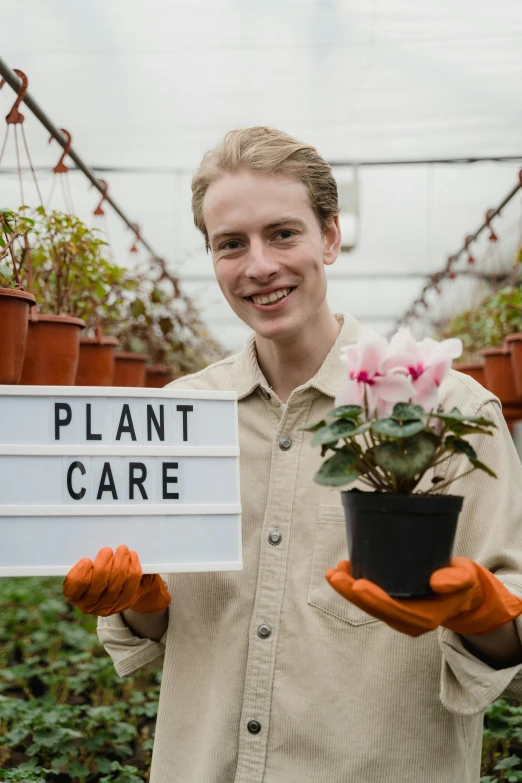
<point x="96" y="363"/>
<point x="514" y="342"/>
<point x="14" y="309"/>
<point x="499" y="375"/>
<point x="475" y="370"/>
<point x="129" y="369"/>
<point x="158" y="375"/>
<point x="52" y="351"/>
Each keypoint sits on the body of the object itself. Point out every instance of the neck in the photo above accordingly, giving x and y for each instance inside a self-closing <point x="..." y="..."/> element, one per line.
<point x="291" y="361"/>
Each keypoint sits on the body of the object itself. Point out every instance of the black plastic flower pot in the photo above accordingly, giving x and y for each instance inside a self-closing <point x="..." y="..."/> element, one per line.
<point x="398" y="541"/>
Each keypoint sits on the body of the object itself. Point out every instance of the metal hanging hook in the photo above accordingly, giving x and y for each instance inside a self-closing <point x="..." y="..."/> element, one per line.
<point x="60" y="167"/>
<point x="492" y="236"/>
<point x="99" y="210"/>
<point x="15" y="117"/>
<point x="137" y="231"/>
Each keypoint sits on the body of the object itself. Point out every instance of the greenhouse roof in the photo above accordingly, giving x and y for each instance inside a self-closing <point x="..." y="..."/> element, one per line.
<point x="145" y="87"/>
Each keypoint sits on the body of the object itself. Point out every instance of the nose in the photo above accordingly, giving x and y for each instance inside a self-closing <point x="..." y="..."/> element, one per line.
<point x="260" y="263"/>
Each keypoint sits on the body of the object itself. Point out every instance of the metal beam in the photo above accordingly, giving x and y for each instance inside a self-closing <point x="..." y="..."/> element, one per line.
<point x="179" y="170"/>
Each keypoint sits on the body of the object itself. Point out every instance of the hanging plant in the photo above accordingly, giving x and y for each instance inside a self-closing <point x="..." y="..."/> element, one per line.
<point x="14" y="301"/>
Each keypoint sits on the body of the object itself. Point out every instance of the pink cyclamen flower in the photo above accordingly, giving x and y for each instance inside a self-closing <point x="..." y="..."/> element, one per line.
<point x="427" y="363"/>
<point x="368" y="383"/>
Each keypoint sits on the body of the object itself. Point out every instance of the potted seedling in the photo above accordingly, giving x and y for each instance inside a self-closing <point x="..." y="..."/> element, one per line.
<point x="14" y="301"/>
<point x="164" y="325"/>
<point x="388" y="433"/>
<point x="61" y="246"/>
<point x="103" y="309"/>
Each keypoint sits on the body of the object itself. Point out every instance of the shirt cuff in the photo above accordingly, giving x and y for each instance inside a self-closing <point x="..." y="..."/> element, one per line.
<point x="128" y="652"/>
<point x="468" y="685"/>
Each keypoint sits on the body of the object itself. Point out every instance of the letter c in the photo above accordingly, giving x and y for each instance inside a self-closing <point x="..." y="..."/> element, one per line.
<point x="73" y="466"/>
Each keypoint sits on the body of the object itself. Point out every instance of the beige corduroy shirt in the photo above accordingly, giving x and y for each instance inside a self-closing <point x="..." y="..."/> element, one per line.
<point x="337" y="695"/>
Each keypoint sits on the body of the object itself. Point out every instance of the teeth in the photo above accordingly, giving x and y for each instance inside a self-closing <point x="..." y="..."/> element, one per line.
<point x="272" y="297"/>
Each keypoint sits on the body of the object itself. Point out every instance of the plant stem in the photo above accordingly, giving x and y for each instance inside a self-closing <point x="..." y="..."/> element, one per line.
<point x="438" y="487"/>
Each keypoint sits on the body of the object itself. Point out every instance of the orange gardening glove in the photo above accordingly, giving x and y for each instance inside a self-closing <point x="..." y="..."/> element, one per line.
<point x="114" y="583"/>
<point x="469" y="600"/>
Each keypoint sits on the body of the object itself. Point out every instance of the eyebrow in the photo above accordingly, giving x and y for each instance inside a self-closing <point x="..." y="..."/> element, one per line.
<point x="280" y="222"/>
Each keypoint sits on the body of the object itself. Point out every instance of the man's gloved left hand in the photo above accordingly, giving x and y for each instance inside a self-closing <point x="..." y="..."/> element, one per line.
<point x="469" y="600"/>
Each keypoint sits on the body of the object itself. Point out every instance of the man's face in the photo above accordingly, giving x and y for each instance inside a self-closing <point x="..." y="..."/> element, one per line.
<point x="266" y="241"/>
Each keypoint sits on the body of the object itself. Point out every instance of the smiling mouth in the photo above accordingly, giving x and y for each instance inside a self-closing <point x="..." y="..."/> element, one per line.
<point x="269" y="300"/>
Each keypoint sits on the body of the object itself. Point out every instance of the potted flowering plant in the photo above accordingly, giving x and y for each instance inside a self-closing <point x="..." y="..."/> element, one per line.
<point x="14" y="301"/>
<point x="389" y="434"/>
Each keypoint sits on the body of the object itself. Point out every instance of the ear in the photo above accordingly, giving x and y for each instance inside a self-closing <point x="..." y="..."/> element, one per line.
<point x="331" y="241"/>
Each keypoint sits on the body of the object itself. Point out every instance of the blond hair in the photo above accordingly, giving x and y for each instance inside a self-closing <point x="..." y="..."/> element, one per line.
<point x="267" y="151"/>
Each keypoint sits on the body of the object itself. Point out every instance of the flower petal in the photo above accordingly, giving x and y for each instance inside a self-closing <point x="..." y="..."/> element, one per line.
<point x="426" y="393"/>
<point x="394" y="387"/>
<point x="352" y="393"/>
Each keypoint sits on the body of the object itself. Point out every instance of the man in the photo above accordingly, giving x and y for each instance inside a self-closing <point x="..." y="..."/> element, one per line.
<point x="269" y="674"/>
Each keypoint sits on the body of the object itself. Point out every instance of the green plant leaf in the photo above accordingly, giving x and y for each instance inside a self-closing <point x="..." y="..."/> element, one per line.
<point x="455" y="415"/>
<point x="362" y="428"/>
<point x="397" y="428"/>
<point x="459" y="428"/>
<point x="137" y="308"/>
<point x="5" y="271"/>
<point x="331" y="433"/>
<point x="480" y="466"/>
<point x="313" y="427"/>
<point x="338" y="470"/>
<point x="406" y="411"/>
<point x="408" y="459"/>
<point x="509" y="763"/>
<point x="345" y="412"/>
<point x="460" y="446"/>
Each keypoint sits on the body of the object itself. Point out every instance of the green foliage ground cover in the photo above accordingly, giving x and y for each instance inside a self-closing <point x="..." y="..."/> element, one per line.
<point x="66" y="716"/>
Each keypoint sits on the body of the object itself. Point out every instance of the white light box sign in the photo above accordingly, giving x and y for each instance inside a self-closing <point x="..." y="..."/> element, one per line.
<point x="82" y="468"/>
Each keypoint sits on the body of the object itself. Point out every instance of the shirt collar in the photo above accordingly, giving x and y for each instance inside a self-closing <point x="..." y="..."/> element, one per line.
<point x="328" y="379"/>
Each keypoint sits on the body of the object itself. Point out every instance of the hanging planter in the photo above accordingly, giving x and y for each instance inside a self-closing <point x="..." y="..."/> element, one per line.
<point x="475" y="370"/>
<point x="14" y="311"/>
<point x="514" y="343"/>
<point x="15" y="303"/>
<point x="52" y="350"/>
<point x="129" y="369"/>
<point x="96" y="361"/>
<point x="499" y="374"/>
<point x="158" y="375"/>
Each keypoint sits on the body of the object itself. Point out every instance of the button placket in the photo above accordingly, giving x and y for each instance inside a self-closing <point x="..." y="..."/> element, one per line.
<point x="271" y="580"/>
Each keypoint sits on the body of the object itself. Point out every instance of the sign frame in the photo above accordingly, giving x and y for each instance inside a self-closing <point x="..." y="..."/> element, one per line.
<point x="152" y="450"/>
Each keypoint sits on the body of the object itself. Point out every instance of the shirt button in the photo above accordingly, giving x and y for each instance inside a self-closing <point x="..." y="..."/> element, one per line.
<point x="254" y="726"/>
<point x="264" y="631"/>
<point x="275" y="537"/>
<point x="285" y="443"/>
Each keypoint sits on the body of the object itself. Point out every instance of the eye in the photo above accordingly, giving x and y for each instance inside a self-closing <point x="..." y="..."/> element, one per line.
<point x="285" y="233"/>
<point x="231" y="244"/>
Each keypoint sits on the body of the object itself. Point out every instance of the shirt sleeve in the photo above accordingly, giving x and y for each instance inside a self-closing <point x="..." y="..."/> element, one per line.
<point x="490" y="533"/>
<point x="128" y="651"/>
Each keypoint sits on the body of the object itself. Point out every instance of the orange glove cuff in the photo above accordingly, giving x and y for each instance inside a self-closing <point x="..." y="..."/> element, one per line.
<point x="492" y="604"/>
<point x="153" y="596"/>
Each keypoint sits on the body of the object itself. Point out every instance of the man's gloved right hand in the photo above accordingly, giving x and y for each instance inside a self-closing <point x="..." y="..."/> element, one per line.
<point x="113" y="583"/>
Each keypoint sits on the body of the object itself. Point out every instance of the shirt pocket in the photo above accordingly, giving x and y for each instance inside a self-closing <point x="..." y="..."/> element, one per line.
<point x="330" y="546"/>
